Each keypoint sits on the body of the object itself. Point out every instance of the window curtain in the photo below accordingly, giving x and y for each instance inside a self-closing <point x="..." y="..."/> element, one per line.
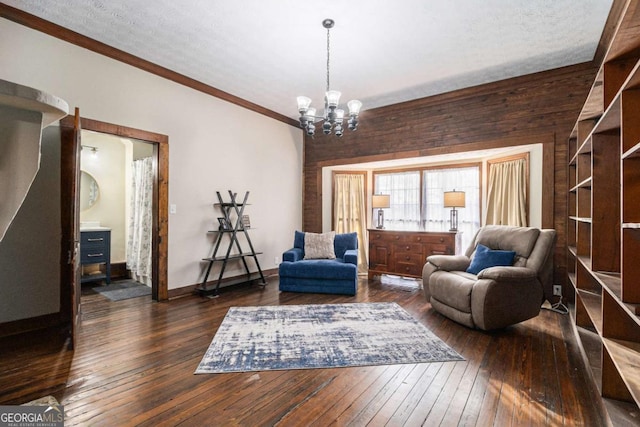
<point x="507" y="194"/>
<point x="141" y="221"/>
<point x="436" y="217"/>
<point x="404" y="191"/>
<point x="350" y="212"/>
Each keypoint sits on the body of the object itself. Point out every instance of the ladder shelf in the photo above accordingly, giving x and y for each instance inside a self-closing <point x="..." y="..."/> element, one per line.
<point x="230" y="229"/>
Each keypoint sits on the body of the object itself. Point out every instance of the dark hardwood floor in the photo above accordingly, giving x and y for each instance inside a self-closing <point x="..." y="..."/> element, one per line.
<point x="135" y="360"/>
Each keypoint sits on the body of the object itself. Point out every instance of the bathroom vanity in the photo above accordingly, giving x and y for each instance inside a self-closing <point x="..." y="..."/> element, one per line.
<point x="95" y="248"/>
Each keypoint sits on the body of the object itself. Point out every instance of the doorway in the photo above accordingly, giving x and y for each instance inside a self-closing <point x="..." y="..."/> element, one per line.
<point x="116" y="201"/>
<point x="159" y="222"/>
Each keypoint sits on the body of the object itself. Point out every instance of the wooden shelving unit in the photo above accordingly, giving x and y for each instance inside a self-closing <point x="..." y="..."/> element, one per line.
<point x="231" y="229"/>
<point x="603" y="224"/>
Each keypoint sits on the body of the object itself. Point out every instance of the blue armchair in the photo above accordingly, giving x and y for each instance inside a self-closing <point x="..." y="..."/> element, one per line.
<point x="329" y="276"/>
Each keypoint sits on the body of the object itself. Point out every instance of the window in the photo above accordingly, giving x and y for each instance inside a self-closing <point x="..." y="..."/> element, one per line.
<point x="508" y="191"/>
<point x="436" y="216"/>
<point x="404" y="191"/>
<point x="417" y="199"/>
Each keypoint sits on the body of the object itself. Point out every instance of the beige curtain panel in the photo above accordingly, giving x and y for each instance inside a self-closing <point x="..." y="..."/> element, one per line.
<point x="507" y="195"/>
<point x="349" y="211"/>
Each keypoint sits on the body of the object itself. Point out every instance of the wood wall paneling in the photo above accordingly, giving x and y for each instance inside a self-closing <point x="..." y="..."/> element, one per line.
<point x="518" y="111"/>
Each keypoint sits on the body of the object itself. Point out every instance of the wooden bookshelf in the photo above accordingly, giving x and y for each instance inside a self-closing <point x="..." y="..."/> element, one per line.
<point x="603" y="223"/>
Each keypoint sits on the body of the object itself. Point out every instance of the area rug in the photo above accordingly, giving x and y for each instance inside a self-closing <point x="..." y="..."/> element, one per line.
<point x="320" y="336"/>
<point x="125" y="289"/>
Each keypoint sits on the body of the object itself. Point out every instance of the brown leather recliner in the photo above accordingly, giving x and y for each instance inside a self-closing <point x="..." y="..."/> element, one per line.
<point x="495" y="297"/>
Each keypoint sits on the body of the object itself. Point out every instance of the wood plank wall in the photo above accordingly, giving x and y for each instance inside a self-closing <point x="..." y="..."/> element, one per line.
<point x="537" y="108"/>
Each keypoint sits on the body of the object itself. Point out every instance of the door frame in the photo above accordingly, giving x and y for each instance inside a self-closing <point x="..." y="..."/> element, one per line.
<point x="70" y="130"/>
<point x="160" y="229"/>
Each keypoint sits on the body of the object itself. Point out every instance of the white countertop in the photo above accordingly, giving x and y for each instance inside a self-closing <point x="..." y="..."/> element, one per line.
<point x="94" y="229"/>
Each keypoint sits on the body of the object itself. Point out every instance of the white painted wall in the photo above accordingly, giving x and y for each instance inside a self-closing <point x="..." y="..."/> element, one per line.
<point x="20" y="133"/>
<point x="30" y="250"/>
<point x="213" y="145"/>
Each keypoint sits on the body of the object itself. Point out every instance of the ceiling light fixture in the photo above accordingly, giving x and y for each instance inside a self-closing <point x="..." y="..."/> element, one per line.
<point x="333" y="116"/>
<point x="94" y="150"/>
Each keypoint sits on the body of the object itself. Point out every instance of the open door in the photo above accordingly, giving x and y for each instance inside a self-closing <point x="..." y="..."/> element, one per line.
<point x="70" y="215"/>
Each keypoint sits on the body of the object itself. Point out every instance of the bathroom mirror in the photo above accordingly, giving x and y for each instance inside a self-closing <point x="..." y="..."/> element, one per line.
<point x="89" y="191"/>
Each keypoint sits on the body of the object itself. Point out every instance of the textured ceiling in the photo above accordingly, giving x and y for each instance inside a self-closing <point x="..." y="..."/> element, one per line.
<point x="382" y="51"/>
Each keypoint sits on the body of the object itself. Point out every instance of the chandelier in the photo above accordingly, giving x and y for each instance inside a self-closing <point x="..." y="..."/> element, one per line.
<point x="333" y="116"/>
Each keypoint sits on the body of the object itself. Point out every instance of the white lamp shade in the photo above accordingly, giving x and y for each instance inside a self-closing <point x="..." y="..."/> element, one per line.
<point x="454" y="199"/>
<point x="381" y="201"/>
<point x="303" y="103"/>
<point x="333" y="98"/>
<point x="310" y="114"/>
<point x="354" y="107"/>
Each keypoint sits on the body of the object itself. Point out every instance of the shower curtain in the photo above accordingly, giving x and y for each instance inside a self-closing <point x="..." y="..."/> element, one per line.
<point x="140" y="221"/>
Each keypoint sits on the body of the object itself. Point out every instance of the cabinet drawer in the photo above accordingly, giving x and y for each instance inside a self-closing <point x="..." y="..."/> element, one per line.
<point x="382" y="236"/>
<point x="409" y="269"/>
<point x="407" y="248"/>
<point x="93" y="256"/>
<point x="438" y="250"/>
<point x="446" y="239"/>
<point x="376" y="235"/>
<point x="411" y="257"/>
<point x="93" y="238"/>
<point x="400" y="238"/>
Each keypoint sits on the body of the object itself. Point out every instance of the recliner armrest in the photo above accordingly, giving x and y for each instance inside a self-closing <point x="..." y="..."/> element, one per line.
<point x="507" y="273"/>
<point x="292" y="255"/>
<point x="449" y="262"/>
<point x="351" y="256"/>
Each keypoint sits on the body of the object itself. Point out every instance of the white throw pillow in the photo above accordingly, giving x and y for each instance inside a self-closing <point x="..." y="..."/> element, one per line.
<point x="319" y="246"/>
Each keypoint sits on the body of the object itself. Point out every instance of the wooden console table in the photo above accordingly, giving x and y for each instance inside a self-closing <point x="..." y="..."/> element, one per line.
<point x="404" y="253"/>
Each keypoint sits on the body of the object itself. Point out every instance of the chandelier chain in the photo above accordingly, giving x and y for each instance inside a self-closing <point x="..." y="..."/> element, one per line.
<point x="328" y="53"/>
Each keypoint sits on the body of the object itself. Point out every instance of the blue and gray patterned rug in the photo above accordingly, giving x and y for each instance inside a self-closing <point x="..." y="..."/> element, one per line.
<point x="123" y="289"/>
<point x="320" y="336"/>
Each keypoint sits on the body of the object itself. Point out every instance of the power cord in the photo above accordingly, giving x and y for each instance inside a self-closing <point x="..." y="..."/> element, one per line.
<point x="557" y="307"/>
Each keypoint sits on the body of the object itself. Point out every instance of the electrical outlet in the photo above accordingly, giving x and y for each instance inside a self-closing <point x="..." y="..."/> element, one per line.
<point x="276" y="260"/>
<point x="557" y="290"/>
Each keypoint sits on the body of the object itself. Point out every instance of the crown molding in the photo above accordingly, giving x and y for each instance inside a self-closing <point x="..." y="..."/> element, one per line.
<point x="62" y="33"/>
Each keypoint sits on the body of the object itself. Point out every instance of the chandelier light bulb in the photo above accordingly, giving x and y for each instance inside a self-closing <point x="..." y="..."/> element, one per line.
<point x="303" y="103"/>
<point x="311" y="113"/>
<point x="354" y="107"/>
<point x="333" y="98"/>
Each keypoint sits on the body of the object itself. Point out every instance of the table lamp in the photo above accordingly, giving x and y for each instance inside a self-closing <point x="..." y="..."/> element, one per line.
<point x="454" y="199"/>
<point x="381" y="201"/>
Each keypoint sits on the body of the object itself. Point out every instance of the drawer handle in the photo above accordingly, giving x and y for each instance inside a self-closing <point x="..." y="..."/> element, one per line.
<point x="397" y="237"/>
<point x="408" y="247"/>
<point x="94" y="255"/>
<point x="407" y="257"/>
<point x="100" y="239"/>
<point x="419" y="239"/>
<point x="441" y="239"/>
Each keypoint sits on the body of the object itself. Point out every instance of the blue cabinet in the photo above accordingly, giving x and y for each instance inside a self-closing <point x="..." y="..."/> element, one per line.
<point x="95" y="248"/>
